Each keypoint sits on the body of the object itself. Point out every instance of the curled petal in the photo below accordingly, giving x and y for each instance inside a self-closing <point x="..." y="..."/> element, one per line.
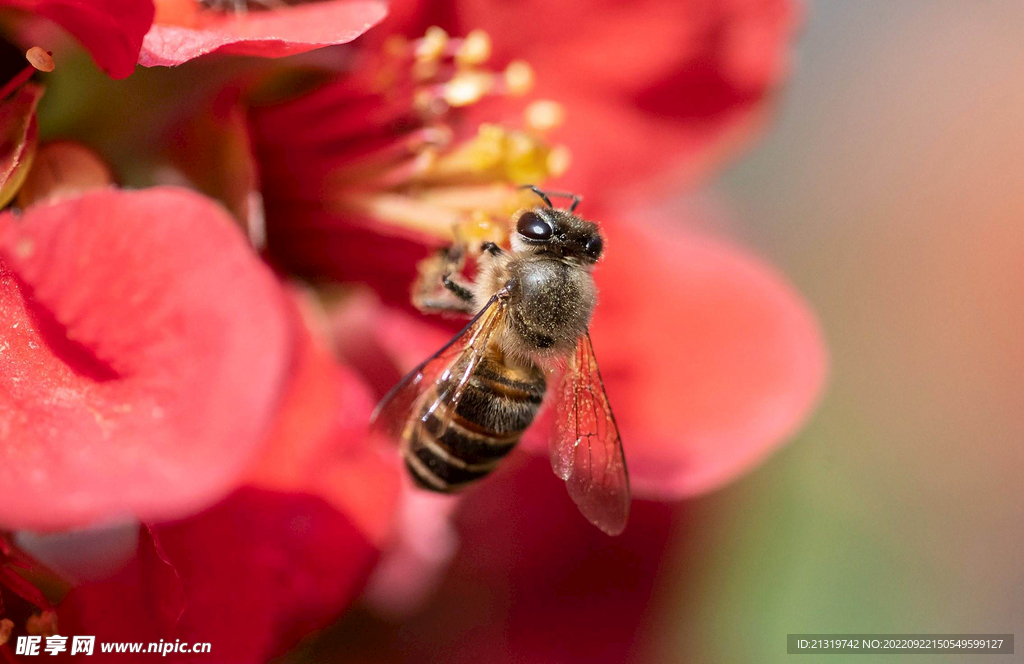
<point x="273" y="33"/>
<point x="144" y="349"/>
<point x="19" y="135"/>
<point x="112" y="30"/>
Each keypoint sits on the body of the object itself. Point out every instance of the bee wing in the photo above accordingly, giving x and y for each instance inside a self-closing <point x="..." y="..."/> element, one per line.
<point x="586" y="450"/>
<point x="461" y="354"/>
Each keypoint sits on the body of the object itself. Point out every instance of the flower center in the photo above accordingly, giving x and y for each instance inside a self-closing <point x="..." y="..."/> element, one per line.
<point x="400" y="139"/>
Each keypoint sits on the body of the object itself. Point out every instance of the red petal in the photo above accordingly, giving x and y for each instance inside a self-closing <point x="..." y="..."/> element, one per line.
<point x="19" y="134"/>
<point x="251" y="576"/>
<point x="320" y="442"/>
<point x="144" y="351"/>
<point x="710" y="359"/>
<point x="273" y="33"/>
<point x="111" y="30"/>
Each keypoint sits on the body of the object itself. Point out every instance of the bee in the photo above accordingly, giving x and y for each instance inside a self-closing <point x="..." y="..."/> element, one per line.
<point x="462" y="410"/>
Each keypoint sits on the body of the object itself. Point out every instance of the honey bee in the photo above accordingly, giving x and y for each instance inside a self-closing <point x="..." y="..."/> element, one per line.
<point x="461" y="411"/>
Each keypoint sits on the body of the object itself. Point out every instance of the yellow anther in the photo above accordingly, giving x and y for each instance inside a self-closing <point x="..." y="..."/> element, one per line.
<point x="544" y="115"/>
<point x="518" y="78"/>
<point x="432" y="45"/>
<point x="526" y="158"/>
<point x="40" y="59"/>
<point x="477" y="160"/>
<point x="475" y="49"/>
<point x="467" y="87"/>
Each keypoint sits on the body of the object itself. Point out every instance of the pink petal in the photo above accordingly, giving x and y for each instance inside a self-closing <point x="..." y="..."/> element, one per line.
<point x="272" y="33"/>
<point x="711" y="360"/>
<point x="144" y="349"/>
<point x="111" y="30"/>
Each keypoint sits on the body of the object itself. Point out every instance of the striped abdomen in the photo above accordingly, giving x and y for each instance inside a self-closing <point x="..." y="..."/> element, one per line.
<point x="498" y="404"/>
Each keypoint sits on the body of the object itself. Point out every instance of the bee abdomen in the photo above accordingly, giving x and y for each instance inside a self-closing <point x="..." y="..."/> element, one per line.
<point x="447" y="450"/>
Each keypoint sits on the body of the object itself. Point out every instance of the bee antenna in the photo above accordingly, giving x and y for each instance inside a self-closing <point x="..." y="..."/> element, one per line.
<point x="576" y="198"/>
<point x="537" y="190"/>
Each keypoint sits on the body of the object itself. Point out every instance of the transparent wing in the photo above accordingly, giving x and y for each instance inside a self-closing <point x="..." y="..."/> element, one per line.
<point x="449" y="369"/>
<point x="586" y="450"/>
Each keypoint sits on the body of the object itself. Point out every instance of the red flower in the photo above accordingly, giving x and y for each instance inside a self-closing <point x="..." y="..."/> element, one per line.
<point x="297" y="559"/>
<point x="187" y="29"/>
<point x="112" y="30"/>
<point x="136" y="384"/>
<point x="138" y="388"/>
<point x="304" y="559"/>
<point x="272" y="562"/>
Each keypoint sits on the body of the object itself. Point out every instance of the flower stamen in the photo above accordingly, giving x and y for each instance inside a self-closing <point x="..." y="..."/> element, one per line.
<point x="399" y="142"/>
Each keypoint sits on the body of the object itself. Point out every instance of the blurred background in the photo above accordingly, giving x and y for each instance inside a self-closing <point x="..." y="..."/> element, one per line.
<point x="888" y="188"/>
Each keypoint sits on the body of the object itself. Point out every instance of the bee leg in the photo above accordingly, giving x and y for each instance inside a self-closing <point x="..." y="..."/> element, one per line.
<point x="436" y="291"/>
<point x="451" y="261"/>
<point x="460" y="291"/>
<point x="444" y="305"/>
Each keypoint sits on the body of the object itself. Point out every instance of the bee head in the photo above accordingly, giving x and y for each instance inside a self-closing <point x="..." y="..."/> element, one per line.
<point x="558" y="233"/>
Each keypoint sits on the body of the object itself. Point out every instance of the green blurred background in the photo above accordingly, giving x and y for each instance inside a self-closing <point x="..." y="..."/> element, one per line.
<point x="890" y="189"/>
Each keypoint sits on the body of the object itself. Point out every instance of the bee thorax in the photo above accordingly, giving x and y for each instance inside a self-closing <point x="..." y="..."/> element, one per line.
<point x="549" y="306"/>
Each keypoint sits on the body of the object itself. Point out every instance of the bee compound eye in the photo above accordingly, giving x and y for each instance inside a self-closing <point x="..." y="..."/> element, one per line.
<point x="534" y="227"/>
<point x="594" y="246"/>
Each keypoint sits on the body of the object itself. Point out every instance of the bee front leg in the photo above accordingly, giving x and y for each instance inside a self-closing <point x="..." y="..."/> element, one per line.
<point x="460" y="291"/>
<point x="436" y="290"/>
